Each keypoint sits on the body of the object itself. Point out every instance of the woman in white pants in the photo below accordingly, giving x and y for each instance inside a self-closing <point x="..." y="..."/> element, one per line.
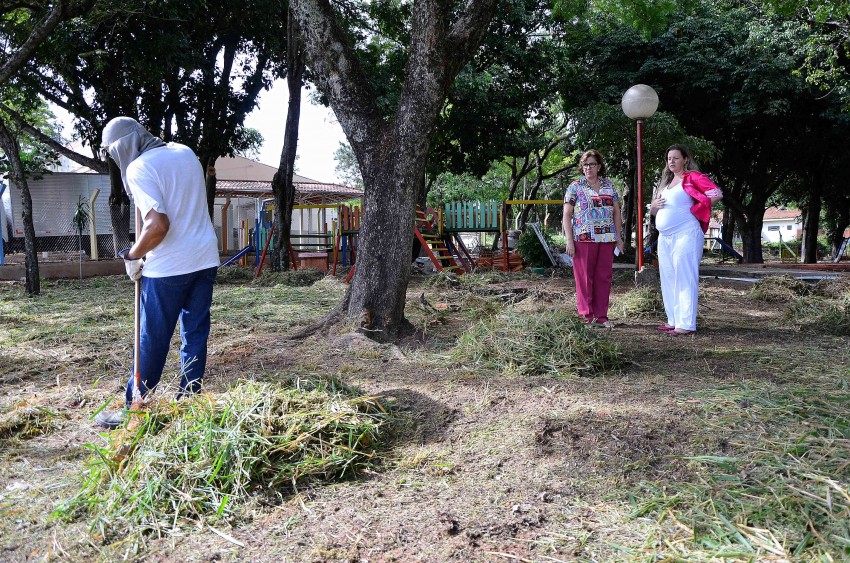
<point x="682" y="207"/>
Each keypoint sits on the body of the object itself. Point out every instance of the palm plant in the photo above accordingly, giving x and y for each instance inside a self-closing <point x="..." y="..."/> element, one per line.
<point x="81" y="221"/>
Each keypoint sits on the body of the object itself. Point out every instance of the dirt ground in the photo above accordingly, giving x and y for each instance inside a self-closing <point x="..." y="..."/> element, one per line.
<point x="480" y="467"/>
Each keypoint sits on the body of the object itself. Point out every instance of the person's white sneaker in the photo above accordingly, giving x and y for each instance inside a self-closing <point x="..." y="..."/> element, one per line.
<point x="110" y="419"/>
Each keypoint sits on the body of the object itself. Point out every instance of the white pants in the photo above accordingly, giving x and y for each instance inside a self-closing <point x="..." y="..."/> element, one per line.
<point x="679" y="255"/>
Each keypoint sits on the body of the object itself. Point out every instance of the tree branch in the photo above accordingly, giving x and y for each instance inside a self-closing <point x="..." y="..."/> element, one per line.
<point x="92" y="163"/>
<point x="38" y="35"/>
<point x="61" y="11"/>
<point x="338" y="73"/>
<point x="466" y="33"/>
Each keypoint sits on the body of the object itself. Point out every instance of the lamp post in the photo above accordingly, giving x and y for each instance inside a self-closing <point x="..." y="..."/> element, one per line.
<point x="639" y="103"/>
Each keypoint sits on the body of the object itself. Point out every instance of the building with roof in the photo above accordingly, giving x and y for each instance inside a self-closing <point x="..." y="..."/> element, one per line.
<point x="244" y="191"/>
<point x="778" y="222"/>
<point x="242" y="187"/>
<point x="781" y="223"/>
<point x="241" y="177"/>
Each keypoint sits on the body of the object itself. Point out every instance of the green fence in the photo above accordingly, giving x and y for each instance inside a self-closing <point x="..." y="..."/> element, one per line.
<point x="472" y="216"/>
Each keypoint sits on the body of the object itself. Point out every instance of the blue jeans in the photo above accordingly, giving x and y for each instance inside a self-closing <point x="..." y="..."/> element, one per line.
<point x="186" y="297"/>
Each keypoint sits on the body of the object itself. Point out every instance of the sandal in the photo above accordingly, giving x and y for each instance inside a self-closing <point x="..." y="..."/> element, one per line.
<point x="681" y="331"/>
<point x="665" y="328"/>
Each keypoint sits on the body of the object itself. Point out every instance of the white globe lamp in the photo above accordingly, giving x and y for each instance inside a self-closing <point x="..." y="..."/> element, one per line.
<point x="639" y="103"/>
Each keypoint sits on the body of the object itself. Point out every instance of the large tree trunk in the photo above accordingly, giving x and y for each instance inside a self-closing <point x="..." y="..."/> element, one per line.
<point x="727" y="232"/>
<point x="210" y="183"/>
<point x="838" y="219"/>
<point x="379" y="287"/>
<point x="13" y="152"/>
<point x="391" y="152"/>
<point x="119" y="209"/>
<point x="811" y="224"/>
<point x="750" y="228"/>
<point x="749" y="220"/>
<point x="282" y="186"/>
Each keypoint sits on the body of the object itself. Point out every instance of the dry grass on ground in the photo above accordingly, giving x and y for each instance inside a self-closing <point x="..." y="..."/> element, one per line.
<point x="730" y="444"/>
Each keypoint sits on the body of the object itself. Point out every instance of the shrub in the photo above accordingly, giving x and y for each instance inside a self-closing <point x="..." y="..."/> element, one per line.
<point x="532" y="251"/>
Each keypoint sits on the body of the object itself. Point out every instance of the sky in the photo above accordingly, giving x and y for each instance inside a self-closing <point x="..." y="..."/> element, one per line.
<point x="318" y="137"/>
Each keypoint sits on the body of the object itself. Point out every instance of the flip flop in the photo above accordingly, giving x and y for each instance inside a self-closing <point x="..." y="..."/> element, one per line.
<point x="665" y="328"/>
<point x="678" y="332"/>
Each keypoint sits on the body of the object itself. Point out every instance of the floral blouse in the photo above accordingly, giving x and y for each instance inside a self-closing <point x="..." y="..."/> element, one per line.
<point x="593" y="215"/>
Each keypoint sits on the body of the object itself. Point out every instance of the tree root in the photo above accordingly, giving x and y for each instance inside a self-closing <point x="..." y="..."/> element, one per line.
<point x="331" y="318"/>
<point x="364" y="324"/>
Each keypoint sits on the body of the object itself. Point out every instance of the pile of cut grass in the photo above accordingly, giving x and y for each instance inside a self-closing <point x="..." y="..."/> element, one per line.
<point x="206" y="458"/>
<point x="833" y="288"/>
<point x="292" y="278"/>
<point x="443" y="280"/>
<point x="781" y="492"/>
<point x="779" y="289"/>
<point x="234" y="274"/>
<point x="642" y="302"/>
<point x="537" y="343"/>
<point x="816" y="314"/>
<point x="27" y="421"/>
<point x="487" y="277"/>
<point x="448" y="280"/>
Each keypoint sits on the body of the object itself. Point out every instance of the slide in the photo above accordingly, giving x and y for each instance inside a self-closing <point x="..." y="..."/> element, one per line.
<point x="238" y="255"/>
<point x="728" y="249"/>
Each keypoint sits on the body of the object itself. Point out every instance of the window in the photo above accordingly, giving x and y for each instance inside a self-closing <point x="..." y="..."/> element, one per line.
<point x="789" y="227"/>
<point x="773" y="228"/>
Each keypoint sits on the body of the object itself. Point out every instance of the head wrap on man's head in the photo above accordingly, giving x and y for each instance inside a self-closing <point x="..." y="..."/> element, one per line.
<point x="125" y="139"/>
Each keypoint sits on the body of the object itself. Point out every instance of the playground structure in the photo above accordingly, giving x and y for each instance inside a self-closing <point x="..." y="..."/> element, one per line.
<point x="330" y="237"/>
<point x="307" y="249"/>
<point x="440" y="232"/>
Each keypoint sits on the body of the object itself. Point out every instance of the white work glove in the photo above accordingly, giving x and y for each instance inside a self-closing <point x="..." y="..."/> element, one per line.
<point x="132" y="265"/>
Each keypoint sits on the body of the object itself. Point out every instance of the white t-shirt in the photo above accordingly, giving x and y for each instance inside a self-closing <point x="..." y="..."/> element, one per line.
<point x="676" y="214"/>
<point x="170" y="180"/>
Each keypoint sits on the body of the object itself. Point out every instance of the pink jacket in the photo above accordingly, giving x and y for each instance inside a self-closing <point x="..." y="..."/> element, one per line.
<point x="695" y="185"/>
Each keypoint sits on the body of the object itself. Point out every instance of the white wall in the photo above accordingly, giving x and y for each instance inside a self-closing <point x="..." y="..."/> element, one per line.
<point x="787" y="228"/>
<point x="54" y="202"/>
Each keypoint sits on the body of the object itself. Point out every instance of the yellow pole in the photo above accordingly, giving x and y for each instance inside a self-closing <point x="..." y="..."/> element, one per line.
<point x="93" y="225"/>
<point x="224" y="236"/>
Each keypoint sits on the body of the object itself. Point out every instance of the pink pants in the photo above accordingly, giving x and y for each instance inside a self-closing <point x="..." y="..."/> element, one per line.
<point x="592" y="267"/>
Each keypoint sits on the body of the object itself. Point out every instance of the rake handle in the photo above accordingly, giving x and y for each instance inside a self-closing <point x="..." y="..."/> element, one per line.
<point x="137" y="376"/>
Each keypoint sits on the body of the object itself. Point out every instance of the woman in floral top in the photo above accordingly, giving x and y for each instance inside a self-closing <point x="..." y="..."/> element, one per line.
<point x="592" y="225"/>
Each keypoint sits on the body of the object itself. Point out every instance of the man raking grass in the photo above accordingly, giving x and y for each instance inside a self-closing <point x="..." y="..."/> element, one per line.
<point x="174" y="258"/>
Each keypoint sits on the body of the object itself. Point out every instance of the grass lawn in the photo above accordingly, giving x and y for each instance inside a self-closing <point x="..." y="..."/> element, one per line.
<point x="502" y="431"/>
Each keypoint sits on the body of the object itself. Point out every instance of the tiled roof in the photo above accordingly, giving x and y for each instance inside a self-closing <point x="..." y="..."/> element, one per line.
<point x="305" y="192"/>
<point x="776" y="213"/>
